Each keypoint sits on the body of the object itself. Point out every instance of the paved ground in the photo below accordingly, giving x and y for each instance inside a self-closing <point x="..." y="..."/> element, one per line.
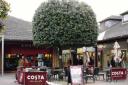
<point x="9" y="79"/>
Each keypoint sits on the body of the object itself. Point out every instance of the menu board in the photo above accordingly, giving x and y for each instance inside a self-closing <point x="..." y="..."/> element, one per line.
<point x="76" y="75"/>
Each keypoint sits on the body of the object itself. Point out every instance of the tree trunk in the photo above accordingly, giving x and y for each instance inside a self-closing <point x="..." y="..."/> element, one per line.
<point x="74" y="56"/>
<point x="96" y="57"/>
<point x="60" y="57"/>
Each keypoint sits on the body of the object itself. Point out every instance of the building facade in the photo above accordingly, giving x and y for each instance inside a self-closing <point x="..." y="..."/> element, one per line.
<point x="113" y="29"/>
<point x="18" y="41"/>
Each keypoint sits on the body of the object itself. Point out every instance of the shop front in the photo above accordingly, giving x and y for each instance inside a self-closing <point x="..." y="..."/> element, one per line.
<point x="14" y="53"/>
<point x="90" y="56"/>
<point x="107" y="52"/>
<point x="66" y="57"/>
<point x="82" y="56"/>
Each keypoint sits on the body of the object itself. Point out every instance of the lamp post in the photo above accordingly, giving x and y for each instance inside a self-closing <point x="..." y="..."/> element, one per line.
<point x="127" y="44"/>
<point x="2" y="38"/>
<point x="84" y="57"/>
<point x="2" y="67"/>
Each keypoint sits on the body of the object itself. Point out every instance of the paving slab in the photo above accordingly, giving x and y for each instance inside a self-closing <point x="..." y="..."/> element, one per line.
<point x="9" y="79"/>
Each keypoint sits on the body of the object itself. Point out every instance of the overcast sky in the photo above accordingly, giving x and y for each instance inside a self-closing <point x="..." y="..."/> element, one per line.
<point x="25" y="9"/>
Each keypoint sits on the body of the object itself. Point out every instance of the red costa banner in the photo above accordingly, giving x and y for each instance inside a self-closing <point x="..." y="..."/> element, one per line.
<point x="118" y="73"/>
<point x="35" y="78"/>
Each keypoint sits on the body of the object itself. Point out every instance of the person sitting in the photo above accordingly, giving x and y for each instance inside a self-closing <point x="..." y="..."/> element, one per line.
<point x="23" y="62"/>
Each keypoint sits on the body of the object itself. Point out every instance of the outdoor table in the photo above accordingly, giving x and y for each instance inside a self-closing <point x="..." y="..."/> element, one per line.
<point x="57" y="73"/>
<point x="107" y="72"/>
<point x="102" y="74"/>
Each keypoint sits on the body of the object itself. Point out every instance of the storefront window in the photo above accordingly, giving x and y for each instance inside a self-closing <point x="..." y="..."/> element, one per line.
<point x="11" y="62"/>
<point x="47" y="60"/>
<point x="65" y="58"/>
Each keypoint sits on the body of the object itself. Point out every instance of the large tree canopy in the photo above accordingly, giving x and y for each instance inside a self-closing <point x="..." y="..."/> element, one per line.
<point x="4" y="8"/>
<point x="64" y="23"/>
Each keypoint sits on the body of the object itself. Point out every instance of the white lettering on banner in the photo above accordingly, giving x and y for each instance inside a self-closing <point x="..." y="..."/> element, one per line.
<point x="116" y="73"/>
<point x="35" y="77"/>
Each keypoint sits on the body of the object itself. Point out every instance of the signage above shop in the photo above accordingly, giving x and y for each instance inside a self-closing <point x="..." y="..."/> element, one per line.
<point x="90" y="49"/>
<point x="79" y="50"/>
<point x="65" y="51"/>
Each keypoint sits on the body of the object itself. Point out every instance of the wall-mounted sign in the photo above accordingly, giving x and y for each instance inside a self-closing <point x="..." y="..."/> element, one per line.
<point x="76" y="75"/>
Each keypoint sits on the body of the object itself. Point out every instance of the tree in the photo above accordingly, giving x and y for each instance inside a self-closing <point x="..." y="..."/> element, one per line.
<point x="4" y="8"/>
<point x="64" y="24"/>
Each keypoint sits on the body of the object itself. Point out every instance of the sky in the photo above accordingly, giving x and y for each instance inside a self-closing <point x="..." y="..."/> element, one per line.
<point x="25" y="9"/>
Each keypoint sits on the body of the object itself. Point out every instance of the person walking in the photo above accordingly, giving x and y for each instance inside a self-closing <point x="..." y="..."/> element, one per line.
<point x="68" y="71"/>
<point x="113" y="63"/>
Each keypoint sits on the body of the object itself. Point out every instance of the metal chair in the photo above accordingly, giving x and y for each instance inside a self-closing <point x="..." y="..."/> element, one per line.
<point x="89" y="74"/>
<point x="108" y="76"/>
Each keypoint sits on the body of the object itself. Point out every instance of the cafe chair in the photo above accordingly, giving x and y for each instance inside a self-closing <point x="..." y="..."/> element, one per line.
<point x="94" y="75"/>
<point x="101" y="74"/>
<point x="89" y="74"/>
<point x="65" y="73"/>
<point x="108" y="76"/>
<point x="98" y="73"/>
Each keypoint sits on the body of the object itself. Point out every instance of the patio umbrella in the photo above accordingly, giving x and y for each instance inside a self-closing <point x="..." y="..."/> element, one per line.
<point x="86" y="55"/>
<point x="116" y="47"/>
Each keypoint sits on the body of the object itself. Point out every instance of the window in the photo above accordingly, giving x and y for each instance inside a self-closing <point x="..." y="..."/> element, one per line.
<point x="125" y="18"/>
<point x="108" y="24"/>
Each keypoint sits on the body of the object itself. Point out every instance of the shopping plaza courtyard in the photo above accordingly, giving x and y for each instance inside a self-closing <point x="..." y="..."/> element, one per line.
<point x="9" y="79"/>
<point x="60" y="48"/>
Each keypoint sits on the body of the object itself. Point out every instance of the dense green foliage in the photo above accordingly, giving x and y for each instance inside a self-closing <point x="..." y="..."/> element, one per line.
<point x="4" y="8"/>
<point x="64" y="23"/>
